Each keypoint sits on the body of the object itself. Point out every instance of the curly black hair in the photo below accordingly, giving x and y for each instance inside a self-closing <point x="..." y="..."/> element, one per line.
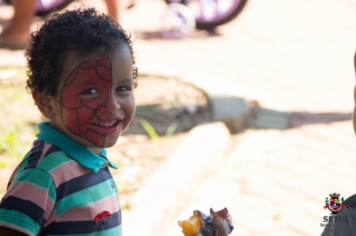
<point x="82" y="30"/>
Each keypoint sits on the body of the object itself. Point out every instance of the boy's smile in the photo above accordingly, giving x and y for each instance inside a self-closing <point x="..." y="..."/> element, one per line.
<point x="95" y="102"/>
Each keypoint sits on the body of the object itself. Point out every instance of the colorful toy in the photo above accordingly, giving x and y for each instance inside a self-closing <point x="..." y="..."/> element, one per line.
<point x="202" y="225"/>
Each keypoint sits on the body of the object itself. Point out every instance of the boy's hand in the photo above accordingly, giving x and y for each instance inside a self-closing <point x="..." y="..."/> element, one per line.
<point x="218" y="221"/>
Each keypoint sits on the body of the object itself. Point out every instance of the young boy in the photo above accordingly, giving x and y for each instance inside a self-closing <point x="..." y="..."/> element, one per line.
<point x="82" y="76"/>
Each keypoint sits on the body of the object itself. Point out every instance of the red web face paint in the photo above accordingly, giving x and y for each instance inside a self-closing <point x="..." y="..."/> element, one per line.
<point x="80" y="115"/>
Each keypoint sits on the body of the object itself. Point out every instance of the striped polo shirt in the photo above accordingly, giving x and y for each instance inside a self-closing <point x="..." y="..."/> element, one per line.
<point x="62" y="188"/>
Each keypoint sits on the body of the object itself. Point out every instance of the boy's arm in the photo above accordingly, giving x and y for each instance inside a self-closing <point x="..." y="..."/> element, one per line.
<point x="10" y="232"/>
<point x="28" y="202"/>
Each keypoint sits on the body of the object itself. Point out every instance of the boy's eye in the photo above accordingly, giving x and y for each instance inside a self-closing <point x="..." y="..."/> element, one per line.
<point x="123" y="88"/>
<point x="88" y="92"/>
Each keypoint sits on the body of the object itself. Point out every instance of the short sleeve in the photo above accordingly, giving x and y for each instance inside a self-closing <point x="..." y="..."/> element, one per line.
<point x="28" y="202"/>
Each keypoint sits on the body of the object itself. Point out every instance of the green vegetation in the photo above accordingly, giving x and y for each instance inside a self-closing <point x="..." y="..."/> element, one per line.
<point x="150" y="130"/>
<point x="19" y="118"/>
<point x="15" y="142"/>
<point x="170" y="130"/>
<point x="3" y="163"/>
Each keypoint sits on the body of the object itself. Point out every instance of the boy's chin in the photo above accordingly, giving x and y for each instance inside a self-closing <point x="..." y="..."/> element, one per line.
<point x="109" y="142"/>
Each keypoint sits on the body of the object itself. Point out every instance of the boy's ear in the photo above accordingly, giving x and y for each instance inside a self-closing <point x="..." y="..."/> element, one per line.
<point x="43" y="103"/>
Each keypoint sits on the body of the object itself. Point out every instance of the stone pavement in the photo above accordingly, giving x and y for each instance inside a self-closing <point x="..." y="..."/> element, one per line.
<point x="275" y="182"/>
<point x="296" y="52"/>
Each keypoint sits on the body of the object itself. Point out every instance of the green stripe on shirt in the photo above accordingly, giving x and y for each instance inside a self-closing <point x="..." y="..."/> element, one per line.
<point x="20" y="220"/>
<point x="53" y="161"/>
<point x="84" y="197"/>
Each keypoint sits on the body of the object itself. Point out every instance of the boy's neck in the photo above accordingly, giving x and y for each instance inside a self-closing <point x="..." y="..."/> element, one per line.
<point x="95" y="150"/>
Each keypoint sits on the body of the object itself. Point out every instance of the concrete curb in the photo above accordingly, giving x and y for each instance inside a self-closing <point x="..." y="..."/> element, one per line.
<point x="231" y="102"/>
<point x="159" y="202"/>
<point x="171" y="187"/>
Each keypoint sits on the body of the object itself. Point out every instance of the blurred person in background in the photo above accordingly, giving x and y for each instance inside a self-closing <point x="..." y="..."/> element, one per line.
<point x="15" y="35"/>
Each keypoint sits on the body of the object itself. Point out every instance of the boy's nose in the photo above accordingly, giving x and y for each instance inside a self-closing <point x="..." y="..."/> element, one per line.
<point x="110" y="104"/>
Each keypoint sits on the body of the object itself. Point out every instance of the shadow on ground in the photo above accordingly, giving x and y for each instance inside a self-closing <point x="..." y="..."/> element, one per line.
<point x="303" y="118"/>
<point x="262" y="118"/>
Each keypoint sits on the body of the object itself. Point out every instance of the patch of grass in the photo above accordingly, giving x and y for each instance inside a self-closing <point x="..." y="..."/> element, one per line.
<point x="126" y="207"/>
<point x="150" y="130"/>
<point x="170" y="130"/>
<point x="19" y="121"/>
<point x="11" y="93"/>
<point x="16" y="140"/>
<point x="3" y="163"/>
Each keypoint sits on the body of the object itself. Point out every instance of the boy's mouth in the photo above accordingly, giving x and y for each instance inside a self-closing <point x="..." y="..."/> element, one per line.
<point x="106" y="126"/>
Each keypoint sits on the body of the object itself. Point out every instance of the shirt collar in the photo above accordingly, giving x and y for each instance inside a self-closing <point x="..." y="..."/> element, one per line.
<point x="75" y="150"/>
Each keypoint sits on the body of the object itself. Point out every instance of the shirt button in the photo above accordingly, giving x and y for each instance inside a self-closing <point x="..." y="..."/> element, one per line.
<point x="113" y="186"/>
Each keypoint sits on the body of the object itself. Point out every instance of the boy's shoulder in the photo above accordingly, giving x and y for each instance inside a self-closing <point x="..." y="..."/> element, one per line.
<point x="45" y="156"/>
<point x="60" y="160"/>
<point x="50" y="159"/>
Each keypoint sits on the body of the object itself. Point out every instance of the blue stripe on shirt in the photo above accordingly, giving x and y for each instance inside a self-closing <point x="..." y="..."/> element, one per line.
<point x="35" y="155"/>
<point x="82" y="182"/>
<point x="53" y="149"/>
<point x="24" y="206"/>
<point x="84" y="227"/>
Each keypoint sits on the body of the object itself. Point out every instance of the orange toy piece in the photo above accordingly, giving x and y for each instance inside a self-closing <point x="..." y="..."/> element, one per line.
<point x="192" y="226"/>
<point x="201" y="224"/>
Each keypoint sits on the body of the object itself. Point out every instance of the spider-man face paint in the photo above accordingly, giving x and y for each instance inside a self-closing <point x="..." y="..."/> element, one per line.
<point x="83" y="115"/>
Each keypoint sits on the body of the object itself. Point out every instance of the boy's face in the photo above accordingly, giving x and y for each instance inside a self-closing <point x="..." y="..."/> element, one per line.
<point x="95" y="102"/>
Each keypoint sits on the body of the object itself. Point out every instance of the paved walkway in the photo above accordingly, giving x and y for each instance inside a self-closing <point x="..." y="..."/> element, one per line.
<point x="299" y="53"/>
<point x="275" y="182"/>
